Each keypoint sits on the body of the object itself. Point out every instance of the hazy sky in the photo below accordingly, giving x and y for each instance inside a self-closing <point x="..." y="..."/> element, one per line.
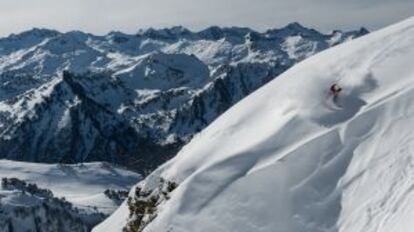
<point x="101" y="16"/>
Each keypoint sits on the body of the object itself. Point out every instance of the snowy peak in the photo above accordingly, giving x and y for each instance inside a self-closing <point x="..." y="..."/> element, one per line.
<point x="295" y="29"/>
<point x="360" y="32"/>
<point x="293" y="157"/>
<point x="33" y="34"/>
<point x="291" y="29"/>
<point x="25" y="40"/>
<point x="235" y="34"/>
<point x="162" y="71"/>
<point x="172" y="33"/>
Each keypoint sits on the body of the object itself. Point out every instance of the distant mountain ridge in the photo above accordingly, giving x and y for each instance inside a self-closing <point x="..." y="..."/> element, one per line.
<point x="135" y="99"/>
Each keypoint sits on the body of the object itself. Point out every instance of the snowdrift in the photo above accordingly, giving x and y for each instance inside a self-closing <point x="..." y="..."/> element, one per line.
<point x="286" y="159"/>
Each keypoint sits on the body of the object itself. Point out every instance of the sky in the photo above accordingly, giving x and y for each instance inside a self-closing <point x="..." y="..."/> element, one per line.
<point x="102" y="16"/>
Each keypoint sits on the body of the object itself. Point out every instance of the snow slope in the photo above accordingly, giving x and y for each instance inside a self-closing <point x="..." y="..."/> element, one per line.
<point x="285" y="160"/>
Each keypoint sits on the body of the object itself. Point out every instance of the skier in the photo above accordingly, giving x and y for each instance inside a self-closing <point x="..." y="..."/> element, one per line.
<point x="335" y="90"/>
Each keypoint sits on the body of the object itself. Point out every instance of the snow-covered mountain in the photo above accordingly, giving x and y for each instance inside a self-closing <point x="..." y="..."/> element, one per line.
<point x="57" y="197"/>
<point x="136" y="99"/>
<point x="288" y="158"/>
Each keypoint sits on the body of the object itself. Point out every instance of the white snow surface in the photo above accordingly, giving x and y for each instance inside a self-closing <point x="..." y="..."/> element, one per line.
<point x="81" y="184"/>
<point x="282" y="160"/>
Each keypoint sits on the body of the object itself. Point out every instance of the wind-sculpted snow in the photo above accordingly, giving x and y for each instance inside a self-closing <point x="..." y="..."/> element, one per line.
<point x="289" y="158"/>
<point x="136" y="99"/>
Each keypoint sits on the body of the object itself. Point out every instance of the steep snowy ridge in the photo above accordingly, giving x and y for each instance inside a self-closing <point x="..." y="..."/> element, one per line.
<point x="156" y="88"/>
<point x="288" y="158"/>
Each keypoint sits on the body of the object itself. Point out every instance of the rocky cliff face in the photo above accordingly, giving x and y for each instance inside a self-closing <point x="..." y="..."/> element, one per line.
<point x="134" y="99"/>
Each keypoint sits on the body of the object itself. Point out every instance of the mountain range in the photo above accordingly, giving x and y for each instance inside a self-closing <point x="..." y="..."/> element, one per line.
<point x="134" y="99"/>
